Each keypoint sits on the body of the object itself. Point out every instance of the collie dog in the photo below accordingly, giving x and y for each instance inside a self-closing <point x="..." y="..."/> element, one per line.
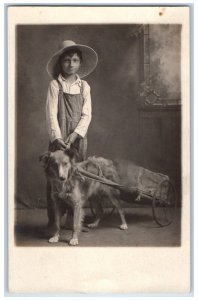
<point x="71" y="190"/>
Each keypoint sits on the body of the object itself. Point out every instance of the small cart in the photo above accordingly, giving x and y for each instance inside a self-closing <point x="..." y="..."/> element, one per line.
<point x="145" y="185"/>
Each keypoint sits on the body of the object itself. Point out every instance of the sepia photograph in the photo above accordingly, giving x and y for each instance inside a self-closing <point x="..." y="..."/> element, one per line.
<point x="103" y="104"/>
<point x="98" y="132"/>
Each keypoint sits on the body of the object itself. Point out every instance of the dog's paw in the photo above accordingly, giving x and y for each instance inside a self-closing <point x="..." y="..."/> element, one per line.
<point x="54" y="239"/>
<point x="123" y="226"/>
<point x="84" y="229"/>
<point x="73" y="242"/>
<point x="94" y="224"/>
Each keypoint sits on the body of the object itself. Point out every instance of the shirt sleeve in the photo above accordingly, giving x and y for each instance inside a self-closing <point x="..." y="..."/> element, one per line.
<point x="86" y="115"/>
<point x="51" y="112"/>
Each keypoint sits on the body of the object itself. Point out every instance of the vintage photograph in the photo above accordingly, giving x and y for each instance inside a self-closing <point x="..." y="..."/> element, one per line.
<point x="98" y="135"/>
<point x="99" y="150"/>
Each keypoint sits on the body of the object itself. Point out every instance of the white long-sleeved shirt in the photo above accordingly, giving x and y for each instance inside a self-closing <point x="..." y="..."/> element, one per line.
<point x="52" y="106"/>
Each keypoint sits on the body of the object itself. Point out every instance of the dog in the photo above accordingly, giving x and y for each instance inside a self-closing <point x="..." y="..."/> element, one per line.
<point x="71" y="190"/>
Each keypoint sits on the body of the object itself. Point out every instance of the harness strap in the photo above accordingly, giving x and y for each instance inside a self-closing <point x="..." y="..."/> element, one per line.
<point x="111" y="183"/>
<point x="103" y="180"/>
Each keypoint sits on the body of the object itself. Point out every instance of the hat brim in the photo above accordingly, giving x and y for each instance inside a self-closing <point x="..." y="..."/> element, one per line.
<point x="88" y="64"/>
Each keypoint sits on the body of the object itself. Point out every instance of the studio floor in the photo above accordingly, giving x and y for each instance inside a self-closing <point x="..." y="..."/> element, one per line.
<point x="30" y="230"/>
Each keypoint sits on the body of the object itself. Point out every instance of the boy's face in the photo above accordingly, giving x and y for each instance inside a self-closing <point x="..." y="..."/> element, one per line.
<point x="70" y="64"/>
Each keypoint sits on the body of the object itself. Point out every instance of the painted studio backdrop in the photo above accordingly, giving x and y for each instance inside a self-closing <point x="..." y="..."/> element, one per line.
<point x="136" y="99"/>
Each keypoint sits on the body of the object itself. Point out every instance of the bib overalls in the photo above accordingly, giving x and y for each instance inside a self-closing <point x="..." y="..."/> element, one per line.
<point x="69" y="114"/>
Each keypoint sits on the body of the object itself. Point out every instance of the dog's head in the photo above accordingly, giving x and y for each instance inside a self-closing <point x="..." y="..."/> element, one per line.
<point x="58" y="164"/>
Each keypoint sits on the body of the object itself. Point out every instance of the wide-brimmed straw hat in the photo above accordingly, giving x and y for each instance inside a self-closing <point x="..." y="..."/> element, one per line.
<point x="88" y="64"/>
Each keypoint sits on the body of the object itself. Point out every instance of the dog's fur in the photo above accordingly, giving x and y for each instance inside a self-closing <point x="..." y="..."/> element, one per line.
<point x="69" y="189"/>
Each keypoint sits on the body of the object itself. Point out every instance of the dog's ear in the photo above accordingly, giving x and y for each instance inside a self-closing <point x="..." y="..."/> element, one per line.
<point x="72" y="153"/>
<point x="44" y="158"/>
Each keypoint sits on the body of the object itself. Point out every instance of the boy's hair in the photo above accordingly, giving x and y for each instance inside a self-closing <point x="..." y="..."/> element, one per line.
<point x="71" y="52"/>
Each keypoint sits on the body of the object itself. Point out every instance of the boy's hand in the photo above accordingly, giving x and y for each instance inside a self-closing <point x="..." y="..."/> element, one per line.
<point x="59" y="144"/>
<point x="71" y="139"/>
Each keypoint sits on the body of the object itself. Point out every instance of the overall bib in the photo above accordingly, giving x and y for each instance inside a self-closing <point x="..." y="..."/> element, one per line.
<point x="69" y="114"/>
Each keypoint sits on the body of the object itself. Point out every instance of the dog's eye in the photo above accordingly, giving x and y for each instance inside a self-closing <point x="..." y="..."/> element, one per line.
<point x="64" y="164"/>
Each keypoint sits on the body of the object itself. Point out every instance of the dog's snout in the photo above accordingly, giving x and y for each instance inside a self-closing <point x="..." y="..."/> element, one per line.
<point x="62" y="178"/>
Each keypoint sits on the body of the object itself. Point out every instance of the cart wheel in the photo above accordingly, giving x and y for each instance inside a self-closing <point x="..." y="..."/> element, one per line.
<point x="108" y="211"/>
<point x="164" y="203"/>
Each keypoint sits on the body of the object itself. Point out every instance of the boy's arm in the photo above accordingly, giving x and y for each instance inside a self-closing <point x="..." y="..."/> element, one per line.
<point x="51" y="112"/>
<point x="82" y="127"/>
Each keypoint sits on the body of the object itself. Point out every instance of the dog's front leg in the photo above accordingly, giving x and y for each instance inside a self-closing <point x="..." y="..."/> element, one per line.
<point x="77" y="219"/>
<point x="56" y="235"/>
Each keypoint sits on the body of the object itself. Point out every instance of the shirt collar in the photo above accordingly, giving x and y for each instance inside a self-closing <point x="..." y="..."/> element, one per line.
<point x="78" y="80"/>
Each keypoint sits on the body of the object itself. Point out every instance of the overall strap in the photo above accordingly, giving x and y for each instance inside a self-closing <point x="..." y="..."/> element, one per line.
<point x="59" y="85"/>
<point x="82" y="88"/>
<point x="82" y="91"/>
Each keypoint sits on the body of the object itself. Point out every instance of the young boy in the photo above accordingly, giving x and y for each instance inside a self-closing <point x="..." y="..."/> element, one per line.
<point x="68" y="106"/>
